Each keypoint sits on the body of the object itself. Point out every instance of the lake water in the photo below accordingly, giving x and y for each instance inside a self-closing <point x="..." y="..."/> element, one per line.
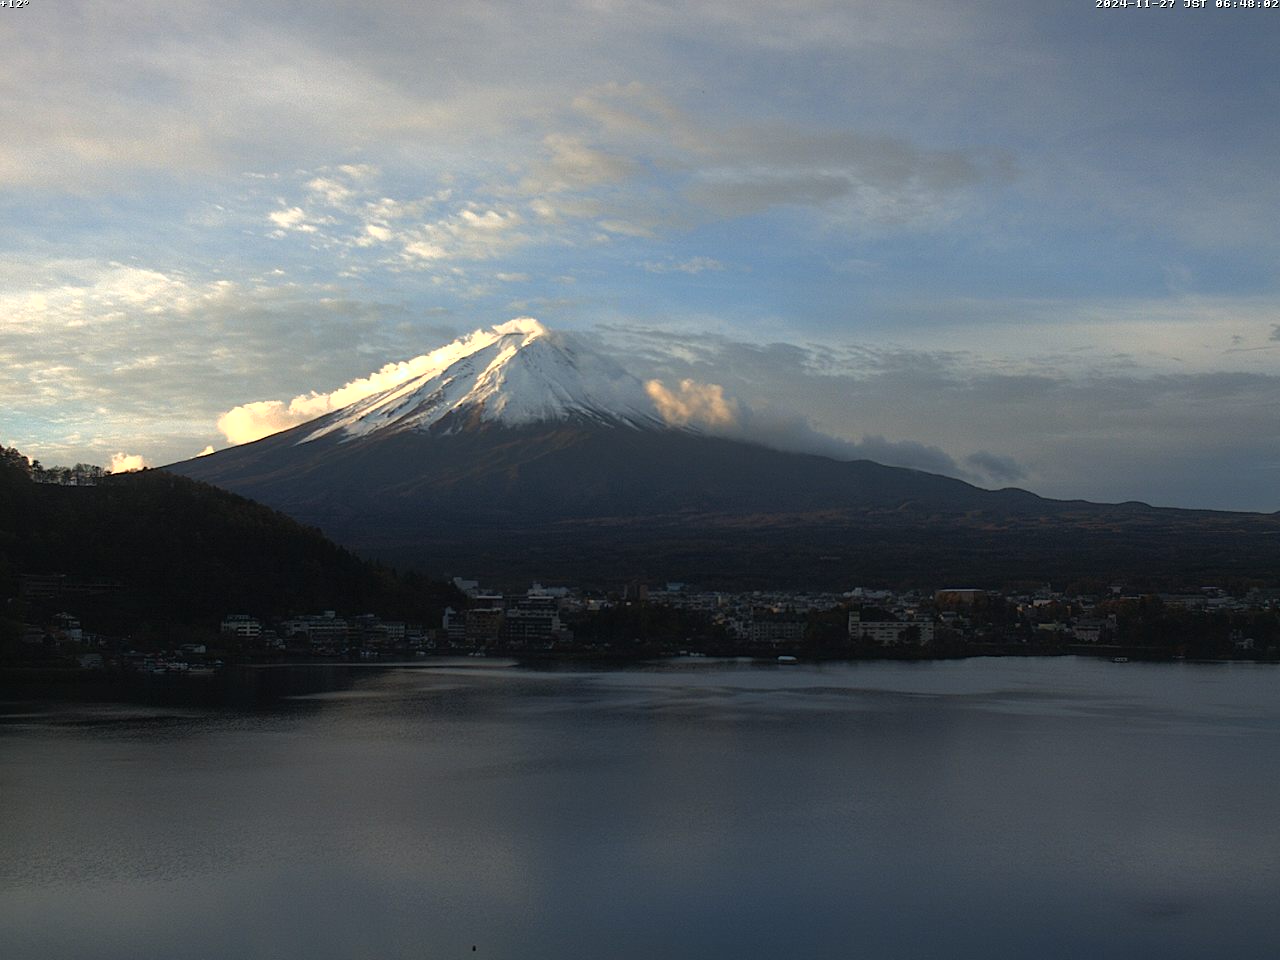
<point x="688" y="809"/>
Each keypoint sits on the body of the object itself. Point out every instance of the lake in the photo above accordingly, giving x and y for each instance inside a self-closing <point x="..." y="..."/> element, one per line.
<point x="694" y="808"/>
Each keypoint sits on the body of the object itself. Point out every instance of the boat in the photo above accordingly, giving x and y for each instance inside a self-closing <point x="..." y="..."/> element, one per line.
<point x="788" y="659"/>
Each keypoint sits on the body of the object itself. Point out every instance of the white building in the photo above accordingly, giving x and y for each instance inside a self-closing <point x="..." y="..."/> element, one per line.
<point x="888" y="633"/>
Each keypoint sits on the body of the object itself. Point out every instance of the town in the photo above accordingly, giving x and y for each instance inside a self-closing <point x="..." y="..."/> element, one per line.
<point x="642" y="621"/>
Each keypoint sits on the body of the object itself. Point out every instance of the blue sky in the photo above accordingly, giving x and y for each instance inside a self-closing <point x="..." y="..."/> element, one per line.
<point x="1031" y="244"/>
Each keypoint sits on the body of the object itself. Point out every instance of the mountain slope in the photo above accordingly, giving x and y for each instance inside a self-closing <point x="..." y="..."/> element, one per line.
<point x="521" y="454"/>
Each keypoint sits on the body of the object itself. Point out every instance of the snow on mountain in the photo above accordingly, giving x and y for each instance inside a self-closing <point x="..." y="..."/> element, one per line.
<point x="515" y="373"/>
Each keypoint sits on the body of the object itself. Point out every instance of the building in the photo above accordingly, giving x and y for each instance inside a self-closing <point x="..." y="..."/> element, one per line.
<point x="1088" y="629"/>
<point x="242" y="626"/>
<point x="372" y="631"/>
<point x="324" y="630"/>
<point x="531" y="619"/>
<point x="889" y="633"/>
<point x="66" y="628"/>
<point x="776" y="628"/>
<point x="959" y="597"/>
<point x="454" y="626"/>
<point x="484" y="624"/>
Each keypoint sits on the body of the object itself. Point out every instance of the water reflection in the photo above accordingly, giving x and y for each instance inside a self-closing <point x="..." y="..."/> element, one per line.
<point x="1005" y="808"/>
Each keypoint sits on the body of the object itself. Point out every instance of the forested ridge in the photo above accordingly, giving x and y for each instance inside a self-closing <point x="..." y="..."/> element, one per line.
<point x="154" y="548"/>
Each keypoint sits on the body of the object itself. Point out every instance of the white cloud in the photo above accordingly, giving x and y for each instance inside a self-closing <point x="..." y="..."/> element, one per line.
<point x="360" y="171"/>
<point x="693" y="404"/>
<point x="627" y="228"/>
<point x="127" y="463"/>
<point x="81" y="293"/>
<point x="292" y="218"/>
<point x="330" y="191"/>
<point x="468" y="235"/>
<point x="261" y="418"/>
<point x="692" y="266"/>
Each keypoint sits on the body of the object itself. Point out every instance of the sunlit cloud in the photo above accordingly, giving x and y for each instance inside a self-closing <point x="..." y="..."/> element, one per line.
<point x="692" y="403"/>
<point x="127" y="463"/>
<point x="261" y="418"/>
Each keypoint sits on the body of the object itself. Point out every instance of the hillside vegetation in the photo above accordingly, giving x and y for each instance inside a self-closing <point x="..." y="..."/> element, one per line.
<point x="153" y="548"/>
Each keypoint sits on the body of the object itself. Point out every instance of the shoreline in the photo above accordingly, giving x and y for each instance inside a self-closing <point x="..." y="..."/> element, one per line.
<point x="253" y="685"/>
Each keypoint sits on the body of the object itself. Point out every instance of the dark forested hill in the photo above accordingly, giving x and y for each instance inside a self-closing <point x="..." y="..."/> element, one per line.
<point x="157" y="548"/>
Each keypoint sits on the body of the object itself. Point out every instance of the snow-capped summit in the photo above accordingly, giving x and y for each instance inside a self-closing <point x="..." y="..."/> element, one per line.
<point x="512" y="374"/>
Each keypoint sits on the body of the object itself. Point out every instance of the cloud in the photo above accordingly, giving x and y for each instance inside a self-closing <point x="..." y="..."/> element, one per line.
<point x="1078" y="426"/>
<point x="331" y="191"/>
<point x="471" y="234"/>
<point x="997" y="468"/>
<point x="693" y="404"/>
<point x="261" y="418"/>
<point x="127" y="463"/>
<point x="627" y="228"/>
<point x="108" y="356"/>
<point x="215" y="95"/>
<point x="206" y="451"/>
<point x="783" y="430"/>
<point x="571" y="164"/>
<point x="889" y="181"/>
<point x="692" y="266"/>
<point x="793" y="432"/>
<point x="735" y="195"/>
<point x="770" y="383"/>
<point x="712" y="171"/>
<point x="293" y="218"/>
<point x="705" y="406"/>
<point x="351" y="223"/>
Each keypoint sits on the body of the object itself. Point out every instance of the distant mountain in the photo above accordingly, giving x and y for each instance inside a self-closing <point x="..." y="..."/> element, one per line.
<point x="521" y="453"/>
<point x="512" y="375"/>
<point x="172" y="551"/>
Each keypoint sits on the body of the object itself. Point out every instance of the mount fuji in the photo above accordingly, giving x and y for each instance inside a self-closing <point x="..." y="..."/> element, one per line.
<point x="511" y="375"/>
<point x="517" y="452"/>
